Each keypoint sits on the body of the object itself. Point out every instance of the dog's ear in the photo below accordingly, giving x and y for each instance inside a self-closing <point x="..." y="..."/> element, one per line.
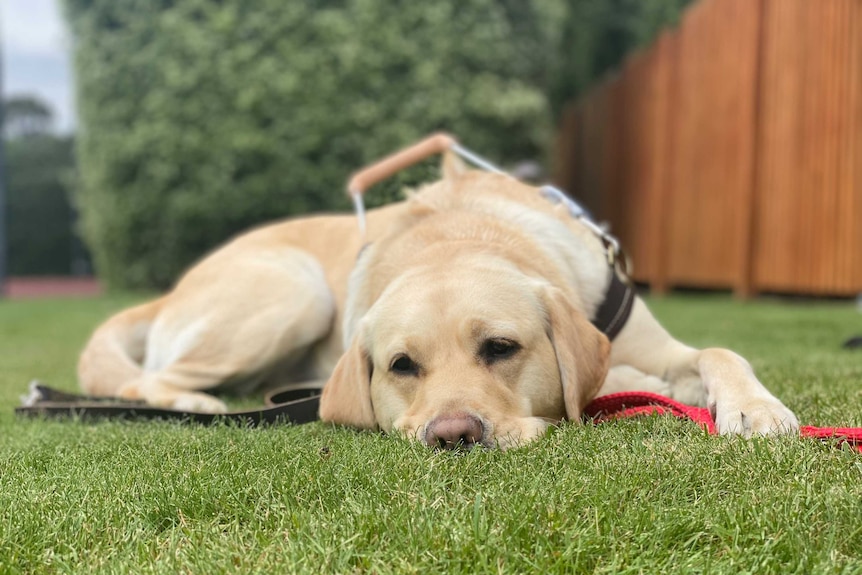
<point x="583" y="352"/>
<point x="346" y="396"/>
<point x="452" y="166"/>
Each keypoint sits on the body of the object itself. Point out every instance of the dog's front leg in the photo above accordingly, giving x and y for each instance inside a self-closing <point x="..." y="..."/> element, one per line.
<point x="717" y="378"/>
<point x="738" y="401"/>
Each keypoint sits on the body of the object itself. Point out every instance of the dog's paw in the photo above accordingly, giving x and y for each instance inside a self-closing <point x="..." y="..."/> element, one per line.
<point x="199" y="403"/>
<point x="754" y="416"/>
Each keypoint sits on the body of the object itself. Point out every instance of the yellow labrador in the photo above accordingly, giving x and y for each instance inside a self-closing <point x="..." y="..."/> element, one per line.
<point x="464" y="321"/>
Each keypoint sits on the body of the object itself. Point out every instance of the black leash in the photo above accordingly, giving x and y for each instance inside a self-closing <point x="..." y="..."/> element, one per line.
<point x="296" y="403"/>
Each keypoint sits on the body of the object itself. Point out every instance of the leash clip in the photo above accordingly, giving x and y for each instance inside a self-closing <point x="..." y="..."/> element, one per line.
<point x="617" y="258"/>
<point x="612" y="250"/>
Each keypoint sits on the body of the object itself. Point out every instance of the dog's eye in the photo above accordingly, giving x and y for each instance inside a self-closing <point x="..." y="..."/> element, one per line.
<point x="498" y="349"/>
<point x="403" y="365"/>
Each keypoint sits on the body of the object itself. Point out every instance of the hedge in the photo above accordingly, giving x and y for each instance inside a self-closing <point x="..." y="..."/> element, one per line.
<point x="201" y="117"/>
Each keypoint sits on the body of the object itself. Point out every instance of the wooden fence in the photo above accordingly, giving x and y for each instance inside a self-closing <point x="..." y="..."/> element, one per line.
<point x="728" y="154"/>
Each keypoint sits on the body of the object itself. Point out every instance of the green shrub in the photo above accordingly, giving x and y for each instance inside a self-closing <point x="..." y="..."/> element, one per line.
<point x="200" y="117"/>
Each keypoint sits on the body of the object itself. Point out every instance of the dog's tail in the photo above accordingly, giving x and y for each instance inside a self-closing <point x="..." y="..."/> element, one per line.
<point x="115" y="353"/>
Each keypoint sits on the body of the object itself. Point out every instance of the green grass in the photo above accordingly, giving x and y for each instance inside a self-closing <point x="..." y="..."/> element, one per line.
<point x="651" y="495"/>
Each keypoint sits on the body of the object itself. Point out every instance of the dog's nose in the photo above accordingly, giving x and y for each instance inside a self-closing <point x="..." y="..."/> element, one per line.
<point x="454" y="431"/>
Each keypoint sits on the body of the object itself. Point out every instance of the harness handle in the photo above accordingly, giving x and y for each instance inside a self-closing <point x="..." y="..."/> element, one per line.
<point x="377" y="172"/>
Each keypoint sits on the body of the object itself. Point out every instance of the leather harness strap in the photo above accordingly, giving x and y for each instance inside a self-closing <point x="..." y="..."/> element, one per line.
<point x="619" y="299"/>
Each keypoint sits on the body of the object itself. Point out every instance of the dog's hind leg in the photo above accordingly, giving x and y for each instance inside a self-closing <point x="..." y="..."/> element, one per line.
<point x="233" y="333"/>
<point x="174" y="388"/>
<point x="115" y="353"/>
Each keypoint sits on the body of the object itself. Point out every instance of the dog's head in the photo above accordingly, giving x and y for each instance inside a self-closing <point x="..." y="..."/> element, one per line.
<point x="459" y="343"/>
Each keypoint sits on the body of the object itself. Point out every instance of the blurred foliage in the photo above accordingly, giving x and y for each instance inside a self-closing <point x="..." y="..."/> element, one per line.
<point x="40" y="231"/>
<point x="203" y="117"/>
<point x="598" y="34"/>
<point x="26" y="116"/>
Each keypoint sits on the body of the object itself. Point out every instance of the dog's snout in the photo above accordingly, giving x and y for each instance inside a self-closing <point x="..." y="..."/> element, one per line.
<point x="460" y="431"/>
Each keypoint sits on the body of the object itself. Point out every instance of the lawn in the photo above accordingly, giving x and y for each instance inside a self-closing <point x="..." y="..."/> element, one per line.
<point x="651" y="495"/>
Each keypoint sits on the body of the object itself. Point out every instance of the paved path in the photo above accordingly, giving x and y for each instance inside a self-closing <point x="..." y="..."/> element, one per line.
<point x="45" y="287"/>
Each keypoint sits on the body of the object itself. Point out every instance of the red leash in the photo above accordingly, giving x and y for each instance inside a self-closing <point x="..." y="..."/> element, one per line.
<point x="632" y="404"/>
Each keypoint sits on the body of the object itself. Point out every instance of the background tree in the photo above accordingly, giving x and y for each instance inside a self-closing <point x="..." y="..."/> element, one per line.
<point x="27" y="116"/>
<point x="41" y="237"/>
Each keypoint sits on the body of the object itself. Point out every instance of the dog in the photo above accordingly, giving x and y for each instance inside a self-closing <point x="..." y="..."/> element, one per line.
<point x="463" y="320"/>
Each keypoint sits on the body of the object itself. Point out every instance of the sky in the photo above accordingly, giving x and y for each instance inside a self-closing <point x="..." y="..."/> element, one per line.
<point x="37" y="56"/>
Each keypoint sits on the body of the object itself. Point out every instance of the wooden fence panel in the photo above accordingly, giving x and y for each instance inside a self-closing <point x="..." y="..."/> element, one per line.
<point x="641" y="167"/>
<point x="712" y="170"/>
<point x="806" y="205"/>
<point x="612" y="154"/>
<point x="777" y="186"/>
<point x="855" y="202"/>
<point x="729" y="153"/>
<point x="581" y="150"/>
<point x="850" y="208"/>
